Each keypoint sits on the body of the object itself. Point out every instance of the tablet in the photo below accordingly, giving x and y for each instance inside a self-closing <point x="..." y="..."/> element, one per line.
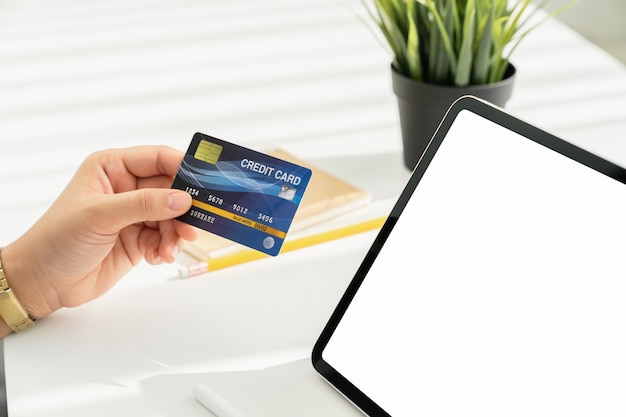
<point x="497" y="287"/>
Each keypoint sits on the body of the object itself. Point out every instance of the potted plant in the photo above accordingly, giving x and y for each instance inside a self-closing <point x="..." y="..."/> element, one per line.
<point x="444" y="49"/>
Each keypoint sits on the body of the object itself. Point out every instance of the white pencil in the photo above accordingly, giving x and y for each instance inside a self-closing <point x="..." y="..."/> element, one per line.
<point x="215" y="402"/>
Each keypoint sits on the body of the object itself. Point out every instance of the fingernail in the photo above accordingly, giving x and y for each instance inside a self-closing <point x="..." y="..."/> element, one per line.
<point x="178" y="201"/>
<point x="175" y="250"/>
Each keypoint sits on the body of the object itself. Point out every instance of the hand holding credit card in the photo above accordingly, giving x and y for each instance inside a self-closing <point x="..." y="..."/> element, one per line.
<point x="240" y="194"/>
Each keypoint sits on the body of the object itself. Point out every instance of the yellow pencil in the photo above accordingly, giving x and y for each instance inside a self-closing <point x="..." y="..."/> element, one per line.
<point x="247" y="255"/>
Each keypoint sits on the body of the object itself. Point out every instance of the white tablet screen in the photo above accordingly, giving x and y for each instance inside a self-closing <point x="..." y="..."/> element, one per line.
<point x="501" y="290"/>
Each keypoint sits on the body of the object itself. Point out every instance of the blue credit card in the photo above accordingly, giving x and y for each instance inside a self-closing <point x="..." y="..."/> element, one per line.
<point x="241" y="194"/>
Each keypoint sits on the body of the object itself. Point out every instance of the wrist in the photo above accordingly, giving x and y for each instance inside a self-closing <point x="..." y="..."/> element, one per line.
<point x="11" y="310"/>
<point x="24" y="281"/>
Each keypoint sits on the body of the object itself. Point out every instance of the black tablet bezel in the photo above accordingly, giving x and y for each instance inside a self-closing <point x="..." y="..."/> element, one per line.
<point x="489" y="112"/>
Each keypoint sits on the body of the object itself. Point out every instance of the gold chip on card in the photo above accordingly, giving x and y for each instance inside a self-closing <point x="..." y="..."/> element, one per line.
<point x="208" y="151"/>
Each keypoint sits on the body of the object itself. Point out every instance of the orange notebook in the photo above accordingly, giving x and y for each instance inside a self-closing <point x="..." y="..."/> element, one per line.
<point x="326" y="197"/>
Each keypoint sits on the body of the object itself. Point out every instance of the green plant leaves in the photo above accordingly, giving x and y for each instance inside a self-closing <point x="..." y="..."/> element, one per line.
<point x="455" y="42"/>
<point x="413" y="48"/>
<point x="482" y="58"/>
<point x="466" y="52"/>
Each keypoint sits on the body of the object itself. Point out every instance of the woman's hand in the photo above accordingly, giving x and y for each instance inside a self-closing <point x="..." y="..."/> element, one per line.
<point x="117" y="209"/>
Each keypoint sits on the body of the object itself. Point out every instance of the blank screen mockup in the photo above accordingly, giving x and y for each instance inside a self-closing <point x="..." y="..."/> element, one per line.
<point x="500" y="291"/>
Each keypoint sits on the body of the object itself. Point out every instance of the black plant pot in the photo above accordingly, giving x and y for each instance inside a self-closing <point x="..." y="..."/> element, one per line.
<point x="422" y="106"/>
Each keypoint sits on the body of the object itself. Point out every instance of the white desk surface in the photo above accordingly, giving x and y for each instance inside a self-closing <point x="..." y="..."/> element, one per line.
<point x="81" y="75"/>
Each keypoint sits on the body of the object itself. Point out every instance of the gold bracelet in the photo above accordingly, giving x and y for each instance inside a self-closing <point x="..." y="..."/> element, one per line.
<point x="11" y="310"/>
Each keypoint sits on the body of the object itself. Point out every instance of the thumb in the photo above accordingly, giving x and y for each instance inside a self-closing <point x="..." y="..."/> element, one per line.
<point x="146" y="204"/>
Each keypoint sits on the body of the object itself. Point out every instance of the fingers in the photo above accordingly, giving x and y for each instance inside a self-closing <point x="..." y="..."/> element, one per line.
<point x="162" y="244"/>
<point x="161" y="239"/>
<point x="149" y="161"/>
<point x="186" y="231"/>
<point x="130" y="187"/>
<point x="173" y="235"/>
<point x="161" y="181"/>
<point x="170" y="245"/>
<point x="117" y="211"/>
<point x="121" y="170"/>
